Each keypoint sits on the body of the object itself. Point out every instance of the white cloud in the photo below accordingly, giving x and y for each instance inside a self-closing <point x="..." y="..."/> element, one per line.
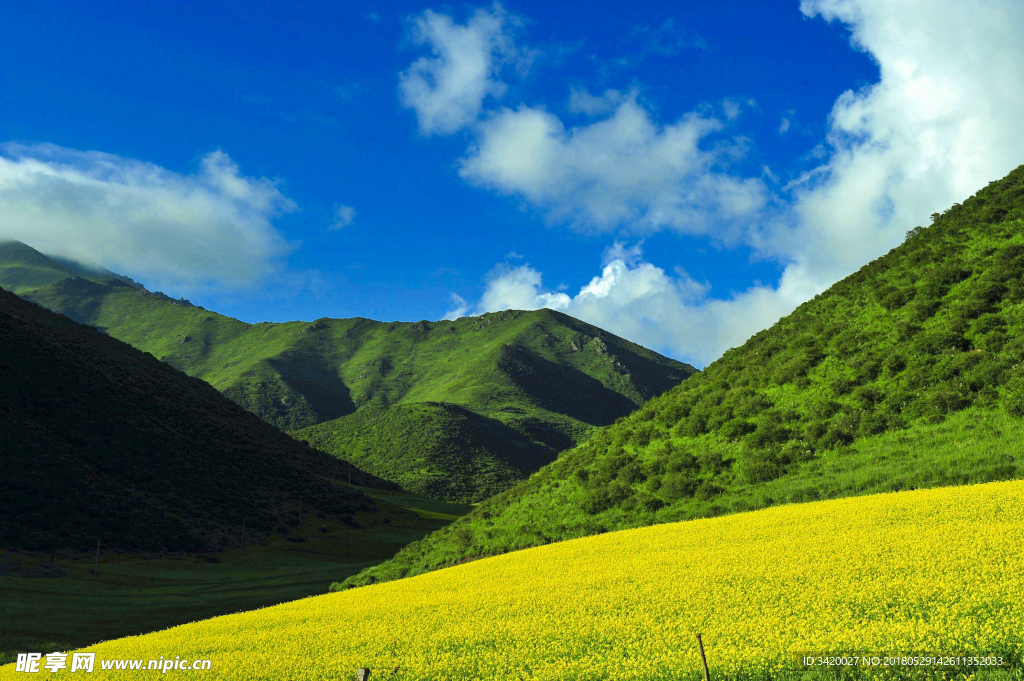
<point x="211" y="227"/>
<point x="620" y="171"/>
<point x="784" y="125"/>
<point x="620" y="251"/>
<point x="447" y="89"/>
<point x="459" y="308"/>
<point x="517" y="288"/>
<point x="939" y="125"/>
<point x="640" y="301"/>
<point x="343" y="217"/>
<point x="732" y="107"/>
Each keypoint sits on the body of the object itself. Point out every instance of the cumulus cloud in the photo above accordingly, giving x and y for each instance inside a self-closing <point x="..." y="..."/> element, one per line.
<point x="448" y="88"/>
<point x="343" y="217"/>
<point x="938" y="125"/>
<point x="211" y="227"/>
<point x="623" y="170"/>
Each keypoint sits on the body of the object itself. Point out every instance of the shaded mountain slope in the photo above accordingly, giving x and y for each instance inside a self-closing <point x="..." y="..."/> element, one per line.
<point x="454" y="453"/>
<point x="548" y="377"/>
<point x="908" y="373"/>
<point x="98" y="439"/>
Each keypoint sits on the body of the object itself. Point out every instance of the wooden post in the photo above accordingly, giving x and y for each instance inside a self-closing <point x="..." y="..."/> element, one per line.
<point x="96" y="566"/>
<point x="700" y="644"/>
<point x="362" y="674"/>
<point x="243" y="533"/>
<point x="349" y="473"/>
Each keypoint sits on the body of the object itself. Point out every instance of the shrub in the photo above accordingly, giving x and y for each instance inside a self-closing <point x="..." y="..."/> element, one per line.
<point x="755" y="471"/>
<point x="676" y="486"/>
<point x="736" y="428"/>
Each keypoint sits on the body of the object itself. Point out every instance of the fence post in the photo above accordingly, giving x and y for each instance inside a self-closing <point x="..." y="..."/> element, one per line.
<point x="700" y="644"/>
<point x="362" y="674"/>
<point x="96" y="566"/>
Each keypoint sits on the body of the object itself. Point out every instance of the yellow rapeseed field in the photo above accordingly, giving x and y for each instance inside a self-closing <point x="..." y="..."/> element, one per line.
<point x="936" y="571"/>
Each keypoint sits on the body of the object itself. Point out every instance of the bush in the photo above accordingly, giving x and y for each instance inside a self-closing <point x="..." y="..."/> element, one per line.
<point x="768" y="434"/>
<point x="707" y="490"/>
<point x="736" y="428"/>
<point x="676" y="486"/>
<point x="631" y="473"/>
<point x="754" y="471"/>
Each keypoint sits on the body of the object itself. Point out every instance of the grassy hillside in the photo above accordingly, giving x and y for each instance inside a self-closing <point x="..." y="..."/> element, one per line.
<point x="439" y="449"/>
<point x="878" y="363"/>
<point x="542" y="379"/>
<point x="931" y="571"/>
<point x="100" y="440"/>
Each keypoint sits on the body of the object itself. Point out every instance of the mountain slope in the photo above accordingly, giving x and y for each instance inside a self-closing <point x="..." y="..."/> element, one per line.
<point x="98" y="439"/>
<point x="885" y="572"/>
<point x="544" y="378"/>
<point x="917" y="356"/>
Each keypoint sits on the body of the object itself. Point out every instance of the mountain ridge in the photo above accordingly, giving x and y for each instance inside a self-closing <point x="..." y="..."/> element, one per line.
<point x="547" y="377"/>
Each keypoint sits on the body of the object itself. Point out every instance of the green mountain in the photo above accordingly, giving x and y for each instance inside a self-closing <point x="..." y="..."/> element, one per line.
<point x="501" y="394"/>
<point x="100" y="440"/>
<point x="906" y="374"/>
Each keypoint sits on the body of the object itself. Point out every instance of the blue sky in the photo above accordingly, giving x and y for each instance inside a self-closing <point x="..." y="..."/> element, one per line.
<point x="681" y="174"/>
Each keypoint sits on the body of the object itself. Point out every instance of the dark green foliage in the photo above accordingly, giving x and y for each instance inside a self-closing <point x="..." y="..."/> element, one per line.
<point x="472" y="405"/>
<point x="101" y="440"/>
<point x="927" y="334"/>
<point x="440" y="450"/>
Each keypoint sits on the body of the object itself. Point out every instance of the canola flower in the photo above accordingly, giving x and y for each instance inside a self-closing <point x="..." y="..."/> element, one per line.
<point x="938" y="570"/>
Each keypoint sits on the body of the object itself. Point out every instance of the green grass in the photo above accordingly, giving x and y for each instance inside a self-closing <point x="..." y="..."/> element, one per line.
<point x="543" y="379"/>
<point x="61" y="606"/>
<point x="867" y="387"/>
<point x="441" y="450"/>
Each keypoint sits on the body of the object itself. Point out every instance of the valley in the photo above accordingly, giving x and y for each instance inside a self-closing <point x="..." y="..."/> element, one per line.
<point x="134" y="594"/>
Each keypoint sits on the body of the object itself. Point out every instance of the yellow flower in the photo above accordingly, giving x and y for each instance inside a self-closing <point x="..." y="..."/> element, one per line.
<point x="925" y="572"/>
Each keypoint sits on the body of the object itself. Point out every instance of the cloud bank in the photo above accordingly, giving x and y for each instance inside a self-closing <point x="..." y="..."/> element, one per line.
<point x="212" y="227"/>
<point x="940" y="124"/>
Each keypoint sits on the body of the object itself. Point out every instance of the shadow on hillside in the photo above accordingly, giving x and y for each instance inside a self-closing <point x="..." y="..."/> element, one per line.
<point x="563" y="389"/>
<point x="310" y="375"/>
